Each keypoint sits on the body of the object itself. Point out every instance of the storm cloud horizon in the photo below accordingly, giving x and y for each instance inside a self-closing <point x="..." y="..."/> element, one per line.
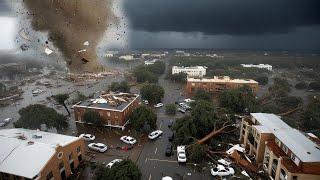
<point x="227" y="17"/>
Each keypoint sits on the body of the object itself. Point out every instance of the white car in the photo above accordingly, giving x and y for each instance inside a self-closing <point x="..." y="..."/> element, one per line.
<point x="146" y="102"/>
<point x="220" y="170"/>
<point x="158" y="105"/>
<point x="87" y="137"/>
<point x="100" y="147"/>
<point x="181" y="154"/>
<point x="5" y="122"/>
<point x="167" y="178"/>
<point x="189" y="100"/>
<point x="155" y="134"/>
<point x="128" y="139"/>
<point x="110" y="164"/>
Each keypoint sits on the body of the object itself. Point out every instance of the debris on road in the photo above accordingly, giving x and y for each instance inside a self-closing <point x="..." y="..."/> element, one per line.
<point x="48" y="51"/>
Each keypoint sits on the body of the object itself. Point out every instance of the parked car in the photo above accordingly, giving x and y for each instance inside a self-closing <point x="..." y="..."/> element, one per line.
<point x="181" y="110"/>
<point x="171" y="136"/>
<point x="87" y="137"/>
<point x="166" y="178"/>
<point x="128" y="139"/>
<point x="5" y="122"/>
<point x="169" y="150"/>
<point x="220" y="170"/>
<point x="110" y="164"/>
<point x="146" y="102"/>
<point x="181" y="154"/>
<point x="170" y="123"/>
<point x="158" y="105"/>
<point x="188" y="100"/>
<point x="155" y="134"/>
<point x="100" y="147"/>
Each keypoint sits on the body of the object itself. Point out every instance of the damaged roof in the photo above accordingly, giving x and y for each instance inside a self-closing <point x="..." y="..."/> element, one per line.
<point x="110" y="101"/>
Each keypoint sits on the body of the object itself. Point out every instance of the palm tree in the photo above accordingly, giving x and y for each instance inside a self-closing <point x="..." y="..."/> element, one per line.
<point x="61" y="98"/>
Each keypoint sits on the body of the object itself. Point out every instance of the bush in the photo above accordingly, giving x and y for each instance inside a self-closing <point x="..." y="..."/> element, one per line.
<point x="92" y="117"/>
<point x="171" y="109"/>
<point x="152" y="92"/>
<point x="33" y="116"/>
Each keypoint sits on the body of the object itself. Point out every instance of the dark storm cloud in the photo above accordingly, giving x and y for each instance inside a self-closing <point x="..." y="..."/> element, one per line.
<point x="233" y="17"/>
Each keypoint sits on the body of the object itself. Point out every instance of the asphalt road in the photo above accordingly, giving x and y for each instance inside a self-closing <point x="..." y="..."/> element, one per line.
<point x="152" y="160"/>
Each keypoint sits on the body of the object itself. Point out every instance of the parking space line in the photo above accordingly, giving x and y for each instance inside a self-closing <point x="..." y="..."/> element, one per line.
<point x="146" y="160"/>
<point x="160" y="125"/>
<point x="150" y="177"/>
<point x="162" y="160"/>
<point x="155" y="152"/>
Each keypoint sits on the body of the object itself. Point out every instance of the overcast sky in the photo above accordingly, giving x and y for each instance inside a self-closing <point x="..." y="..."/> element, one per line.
<point x="239" y="24"/>
<point x="243" y="24"/>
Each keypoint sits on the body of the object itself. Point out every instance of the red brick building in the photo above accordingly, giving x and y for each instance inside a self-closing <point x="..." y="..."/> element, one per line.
<point x="218" y="83"/>
<point x="114" y="109"/>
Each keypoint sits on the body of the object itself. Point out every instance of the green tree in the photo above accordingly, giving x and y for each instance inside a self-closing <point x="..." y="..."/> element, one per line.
<point x="143" y="119"/>
<point x="120" y="86"/>
<point x="124" y="170"/>
<point x="301" y="85"/>
<point x="3" y="89"/>
<point x="171" y="109"/>
<point x="179" y="77"/>
<point x="61" y="98"/>
<point x="92" y="117"/>
<point x="197" y="154"/>
<point x="33" y="116"/>
<point x="157" y="68"/>
<point x="201" y="94"/>
<point x="315" y="85"/>
<point x="79" y="97"/>
<point x="152" y="92"/>
<point x="280" y="88"/>
<point x="185" y="130"/>
<point x="237" y="100"/>
<point x="143" y="75"/>
<point x="262" y="80"/>
<point x="311" y="116"/>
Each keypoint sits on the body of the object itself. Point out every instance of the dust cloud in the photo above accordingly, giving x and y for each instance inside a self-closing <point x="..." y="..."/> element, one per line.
<point x="75" y="27"/>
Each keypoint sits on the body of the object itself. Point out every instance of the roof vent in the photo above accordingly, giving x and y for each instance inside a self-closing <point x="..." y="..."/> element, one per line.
<point x="30" y="142"/>
<point x="36" y="136"/>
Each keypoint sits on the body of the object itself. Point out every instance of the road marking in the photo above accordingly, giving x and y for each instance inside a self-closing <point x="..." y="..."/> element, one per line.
<point x="146" y="160"/>
<point x="160" y="125"/>
<point x="155" y="152"/>
<point x="163" y="160"/>
<point x="150" y="177"/>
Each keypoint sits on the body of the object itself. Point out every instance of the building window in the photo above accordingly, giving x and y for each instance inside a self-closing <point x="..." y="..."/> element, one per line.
<point x="70" y="157"/>
<point x="108" y="114"/>
<point x="295" y="178"/>
<point x="78" y="150"/>
<point x="61" y="165"/>
<point x="285" y="149"/>
<point x="49" y="176"/>
<point x="80" y="158"/>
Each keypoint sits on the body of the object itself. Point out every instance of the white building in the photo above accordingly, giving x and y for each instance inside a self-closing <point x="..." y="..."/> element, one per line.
<point x="109" y="55"/>
<point x="261" y="66"/>
<point x="195" y="71"/>
<point x="150" y="62"/>
<point x="126" y="57"/>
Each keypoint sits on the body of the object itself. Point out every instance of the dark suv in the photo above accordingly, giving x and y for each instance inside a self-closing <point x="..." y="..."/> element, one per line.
<point x="169" y="150"/>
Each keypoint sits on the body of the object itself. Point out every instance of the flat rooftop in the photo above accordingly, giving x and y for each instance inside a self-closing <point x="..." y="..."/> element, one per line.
<point x="304" y="148"/>
<point x="18" y="146"/>
<point x="111" y="101"/>
<point x="223" y="79"/>
<point x="191" y="67"/>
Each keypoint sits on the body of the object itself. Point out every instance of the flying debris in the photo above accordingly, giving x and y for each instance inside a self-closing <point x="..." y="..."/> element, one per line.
<point x="48" y="51"/>
<point x="86" y="43"/>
